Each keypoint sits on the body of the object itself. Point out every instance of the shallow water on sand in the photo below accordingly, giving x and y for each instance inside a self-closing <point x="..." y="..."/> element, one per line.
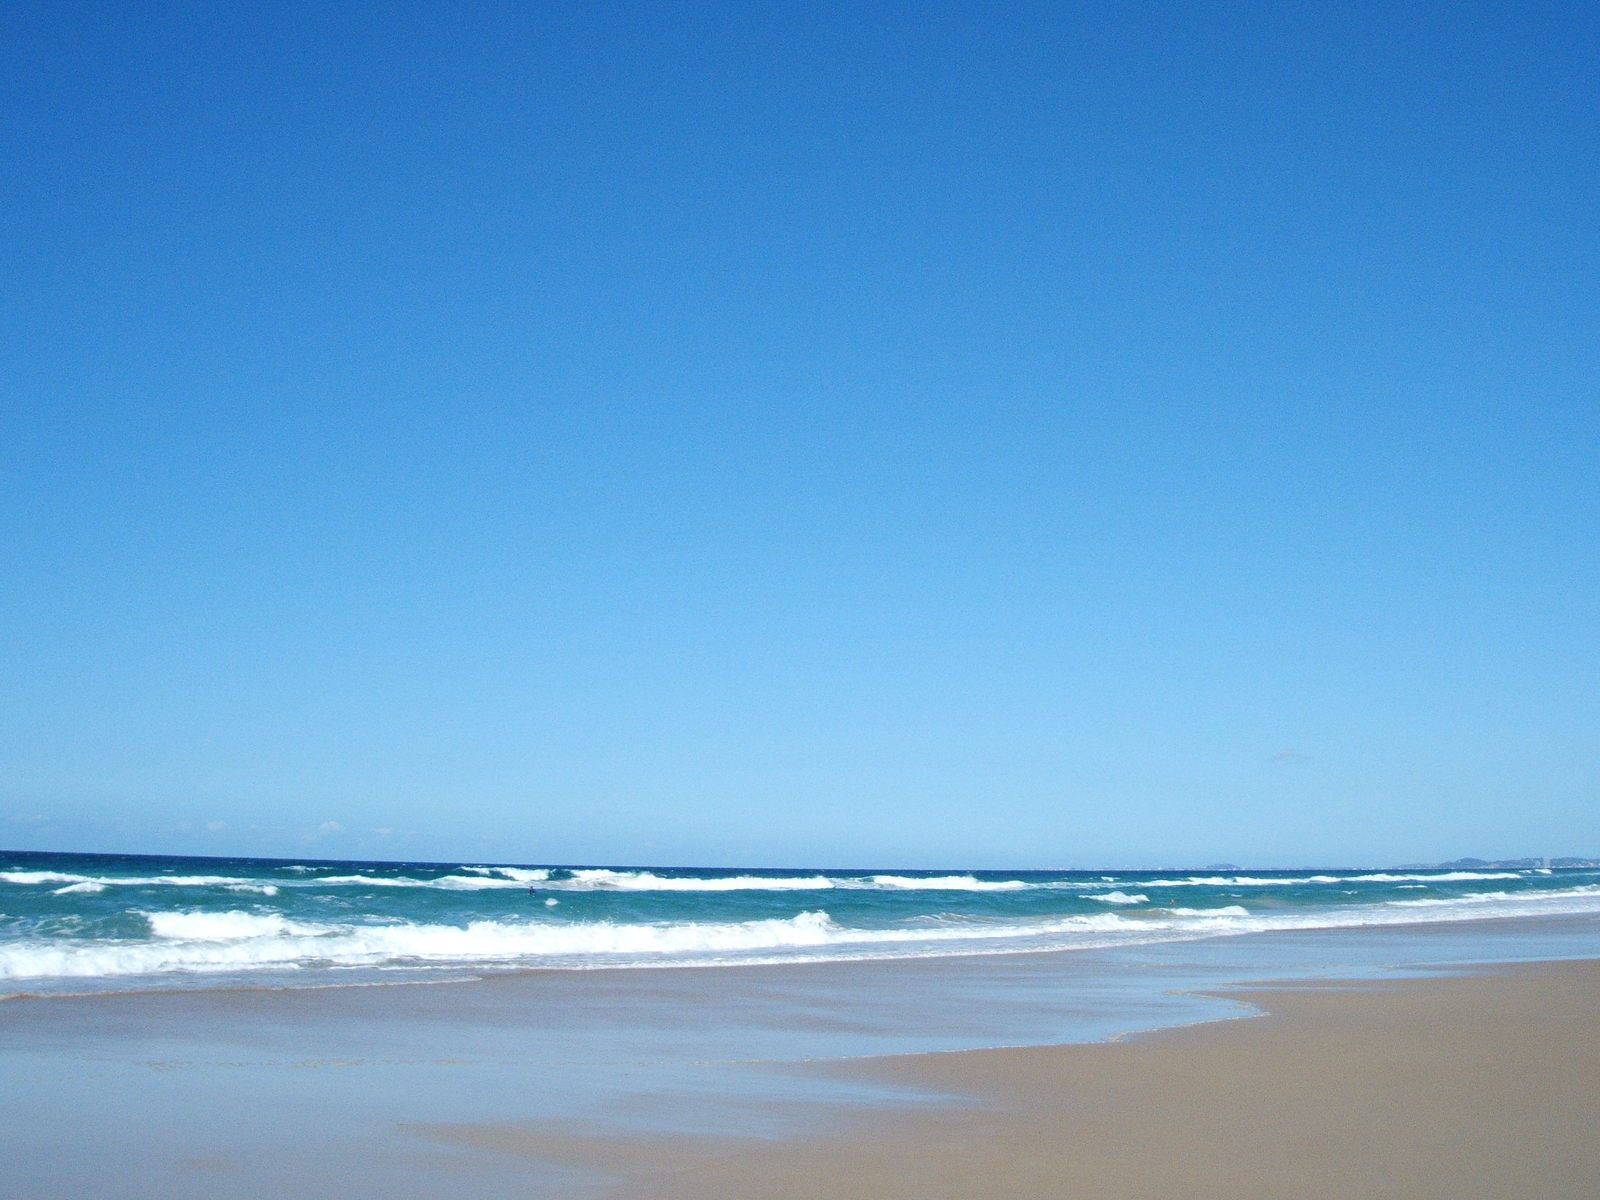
<point x="258" y="1092"/>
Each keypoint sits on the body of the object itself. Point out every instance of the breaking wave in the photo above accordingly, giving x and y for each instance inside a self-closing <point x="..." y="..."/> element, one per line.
<point x="94" y="883"/>
<point x="200" y="942"/>
<point x="949" y="883"/>
<point x="649" y="881"/>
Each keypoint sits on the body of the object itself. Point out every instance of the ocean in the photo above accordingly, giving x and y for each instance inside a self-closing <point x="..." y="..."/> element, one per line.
<point x="72" y="923"/>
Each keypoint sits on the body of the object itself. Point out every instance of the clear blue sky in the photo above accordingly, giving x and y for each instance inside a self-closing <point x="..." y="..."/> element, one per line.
<point x="904" y="434"/>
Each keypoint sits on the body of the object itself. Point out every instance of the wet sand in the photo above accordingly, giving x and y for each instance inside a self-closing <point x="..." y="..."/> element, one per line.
<point x="842" y="1079"/>
<point x="1480" y="1086"/>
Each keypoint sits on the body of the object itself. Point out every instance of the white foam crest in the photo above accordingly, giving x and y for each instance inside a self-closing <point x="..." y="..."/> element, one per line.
<point x="1588" y="889"/>
<point x="229" y="941"/>
<point x="27" y="878"/>
<point x="1445" y="877"/>
<point x="223" y="881"/>
<point x="1293" y="880"/>
<point x="1236" y="881"/>
<point x="648" y="881"/>
<point x="448" y="883"/>
<point x="221" y="926"/>
<point x="235" y="941"/>
<point x="516" y="874"/>
<point x="86" y="887"/>
<point x="476" y="883"/>
<point x="1119" y="898"/>
<point x="525" y="874"/>
<point x="367" y="881"/>
<point x="97" y="882"/>
<point x="232" y="941"/>
<point x="948" y="883"/>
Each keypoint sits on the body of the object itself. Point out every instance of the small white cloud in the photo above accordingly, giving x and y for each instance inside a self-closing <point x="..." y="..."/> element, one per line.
<point x="326" y="829"/>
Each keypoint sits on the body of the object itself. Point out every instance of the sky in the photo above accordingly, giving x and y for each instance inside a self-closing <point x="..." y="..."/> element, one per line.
<point x="936" y="434"/>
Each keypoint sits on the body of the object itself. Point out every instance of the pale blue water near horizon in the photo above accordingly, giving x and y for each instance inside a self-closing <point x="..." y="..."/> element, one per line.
<point x="74" y="922"/>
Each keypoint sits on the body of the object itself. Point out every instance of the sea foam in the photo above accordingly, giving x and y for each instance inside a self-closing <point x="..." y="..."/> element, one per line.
<point x="90" y="883"/>
<point x="74" y="917"/>
<point x="649" y="881"/>
<point x="948" y="883"/>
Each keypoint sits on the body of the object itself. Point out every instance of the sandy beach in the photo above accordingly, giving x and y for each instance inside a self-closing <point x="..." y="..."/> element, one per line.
<point x="1486" y="1085"/>
<point x="1364" y="1078"/>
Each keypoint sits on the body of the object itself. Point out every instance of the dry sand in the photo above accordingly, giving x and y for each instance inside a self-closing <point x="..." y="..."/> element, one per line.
<point x="1480" y="1086"/>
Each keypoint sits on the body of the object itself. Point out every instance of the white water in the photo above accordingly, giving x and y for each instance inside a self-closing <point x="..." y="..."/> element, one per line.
<point x="210" y="941"/>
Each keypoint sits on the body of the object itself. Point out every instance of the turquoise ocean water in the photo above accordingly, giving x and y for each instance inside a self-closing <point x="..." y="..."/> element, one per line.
<point x="74" y="923"/>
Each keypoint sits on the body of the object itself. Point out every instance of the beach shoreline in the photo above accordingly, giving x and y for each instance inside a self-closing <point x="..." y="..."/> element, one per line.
<point x="1485" y="1084"/>
<point x="845" y="1079"/>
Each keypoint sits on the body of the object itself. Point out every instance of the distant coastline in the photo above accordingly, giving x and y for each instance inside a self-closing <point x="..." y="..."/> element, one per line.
<point x="1524" y="863"/>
